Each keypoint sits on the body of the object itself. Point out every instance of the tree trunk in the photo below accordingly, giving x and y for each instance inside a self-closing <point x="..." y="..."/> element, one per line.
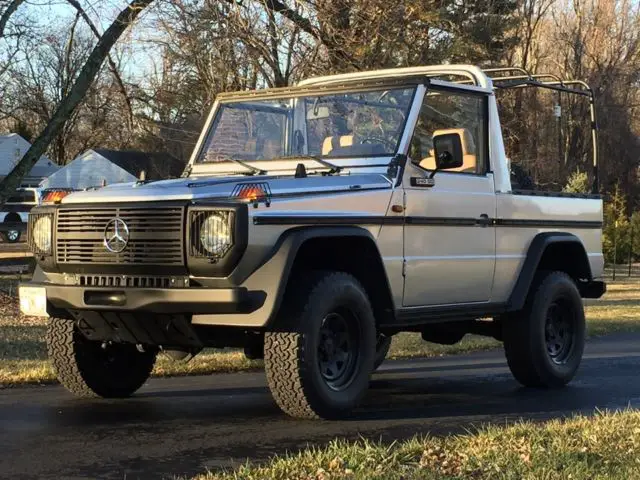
<point x="112" y="65"/>
<point x="70" y="102"/>
<point x="6" y="15"/>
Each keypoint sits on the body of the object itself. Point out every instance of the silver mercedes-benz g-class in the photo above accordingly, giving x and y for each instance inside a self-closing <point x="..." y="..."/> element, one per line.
<point x="311" y="225"/>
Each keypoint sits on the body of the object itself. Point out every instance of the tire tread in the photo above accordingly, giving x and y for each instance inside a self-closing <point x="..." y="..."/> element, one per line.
<point x="76" y="373"/>
<point x="60" y="348"/>
<point x="518" y="347"/>
<point x="284" y="354"/>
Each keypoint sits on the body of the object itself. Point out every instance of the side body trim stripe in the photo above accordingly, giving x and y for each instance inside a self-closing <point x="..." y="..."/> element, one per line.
<point x="410" y="220"/>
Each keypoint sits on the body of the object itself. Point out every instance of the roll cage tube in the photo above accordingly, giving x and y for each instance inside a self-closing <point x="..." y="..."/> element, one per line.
<point x="525" y="79"/>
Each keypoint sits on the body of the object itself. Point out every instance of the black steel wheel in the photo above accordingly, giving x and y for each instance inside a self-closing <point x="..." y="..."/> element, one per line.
<point x="559" y="334"/>
<point x="544" y="343"/>
<point x="319" y="358"/>
<point x="338" y="348"/>
<point x="89" y="368"/>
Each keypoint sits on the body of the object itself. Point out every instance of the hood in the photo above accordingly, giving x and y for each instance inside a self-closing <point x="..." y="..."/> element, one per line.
<point x="222" y="187"/>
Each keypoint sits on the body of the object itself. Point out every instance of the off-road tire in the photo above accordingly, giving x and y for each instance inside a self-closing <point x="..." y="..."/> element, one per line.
<point x="526" y="335"/>
<point x="291" y="352"/>
<point x="383" y="343"/>
<point x="81" y="366"/>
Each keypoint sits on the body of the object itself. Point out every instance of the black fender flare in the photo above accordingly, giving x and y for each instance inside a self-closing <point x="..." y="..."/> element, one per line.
<point x="290" y="242"/>
<point x="536" y="250"/>
<point x="272" y="276"/>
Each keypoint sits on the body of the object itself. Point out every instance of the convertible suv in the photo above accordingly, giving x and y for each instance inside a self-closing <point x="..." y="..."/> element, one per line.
<point x="311" y="225"/>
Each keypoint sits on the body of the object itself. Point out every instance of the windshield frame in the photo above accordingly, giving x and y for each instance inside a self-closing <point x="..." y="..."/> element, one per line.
<point x="287" y="93"/>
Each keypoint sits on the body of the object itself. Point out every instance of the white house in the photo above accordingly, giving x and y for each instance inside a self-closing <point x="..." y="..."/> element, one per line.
<point x="12" y="149"/>
<point x="96" y="166"/>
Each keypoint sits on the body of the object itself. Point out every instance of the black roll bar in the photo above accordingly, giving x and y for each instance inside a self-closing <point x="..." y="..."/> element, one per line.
<point x="526" y="79"/>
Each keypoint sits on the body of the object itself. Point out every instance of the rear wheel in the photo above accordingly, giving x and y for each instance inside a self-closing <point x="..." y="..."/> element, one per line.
<point x="544" y="343"/>
<point x="319" y="362"/>
<point x="95" y="369"/>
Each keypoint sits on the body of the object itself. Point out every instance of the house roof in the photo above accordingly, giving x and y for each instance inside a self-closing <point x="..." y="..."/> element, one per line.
<point x="157" y="165"/>
<point x="12" y="149"/>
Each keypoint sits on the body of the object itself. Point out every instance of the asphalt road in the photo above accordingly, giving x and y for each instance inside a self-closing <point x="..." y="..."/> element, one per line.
<point x="183" y="426"/>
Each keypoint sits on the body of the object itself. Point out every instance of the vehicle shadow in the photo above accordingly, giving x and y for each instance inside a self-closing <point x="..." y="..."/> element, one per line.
<point x="499" y="395"/>
<point x="454" y="396"/>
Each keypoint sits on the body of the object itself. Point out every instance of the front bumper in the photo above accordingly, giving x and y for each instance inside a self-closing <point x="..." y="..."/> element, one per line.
<point x="153" y="300"/>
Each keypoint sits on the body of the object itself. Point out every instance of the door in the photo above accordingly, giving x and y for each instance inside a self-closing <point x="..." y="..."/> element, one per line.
<point x="449" y="240"/>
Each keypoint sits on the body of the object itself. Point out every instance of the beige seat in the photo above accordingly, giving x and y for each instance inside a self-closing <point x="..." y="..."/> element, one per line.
<point x="469" y="160"/>
<point x="331" y="142"/>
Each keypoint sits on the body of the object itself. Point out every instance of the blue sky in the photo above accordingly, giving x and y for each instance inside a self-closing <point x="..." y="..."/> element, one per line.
<point x="102" y="13"/>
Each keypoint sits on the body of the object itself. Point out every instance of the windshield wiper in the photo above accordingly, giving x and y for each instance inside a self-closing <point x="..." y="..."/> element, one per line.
<point x="253" y="170"/>
<point x="333" y="167"/>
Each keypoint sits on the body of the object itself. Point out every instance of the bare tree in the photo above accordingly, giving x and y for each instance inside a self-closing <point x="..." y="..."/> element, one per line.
<point x="7" y="13"/>
<point x="74" y="97"/>
<point x="50" y="65"/>
<point x="112" y="64"/>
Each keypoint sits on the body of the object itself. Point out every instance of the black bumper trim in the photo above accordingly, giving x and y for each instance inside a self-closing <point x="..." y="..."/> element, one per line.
<point x="154" y="300"/>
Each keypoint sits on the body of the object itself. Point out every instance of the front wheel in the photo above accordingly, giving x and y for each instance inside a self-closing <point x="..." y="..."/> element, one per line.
<point x="544" y="343"/>
<point x="90" y="368"/>
<point x="319" y="361"/>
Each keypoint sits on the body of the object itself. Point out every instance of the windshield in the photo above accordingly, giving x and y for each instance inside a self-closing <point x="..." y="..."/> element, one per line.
<point x="350" y="124"/>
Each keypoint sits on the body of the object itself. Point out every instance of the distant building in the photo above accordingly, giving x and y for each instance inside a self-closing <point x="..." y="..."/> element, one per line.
<point x="98" y="166"/>
<point x="12" y="149"/>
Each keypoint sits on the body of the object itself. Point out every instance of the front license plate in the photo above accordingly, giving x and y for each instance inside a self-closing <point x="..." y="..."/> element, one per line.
<point x="33" y="301"/>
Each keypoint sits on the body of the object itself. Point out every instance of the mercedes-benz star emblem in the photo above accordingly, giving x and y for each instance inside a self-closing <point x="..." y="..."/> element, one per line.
<point x="116" y="235"/>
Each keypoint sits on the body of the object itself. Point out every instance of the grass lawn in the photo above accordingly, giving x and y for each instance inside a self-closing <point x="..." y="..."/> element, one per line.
<point x="606" y="446"/>
<point x="23" y="357"/>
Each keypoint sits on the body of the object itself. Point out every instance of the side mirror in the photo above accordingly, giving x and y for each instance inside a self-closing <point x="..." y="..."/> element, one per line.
<point x="448" y="151"/>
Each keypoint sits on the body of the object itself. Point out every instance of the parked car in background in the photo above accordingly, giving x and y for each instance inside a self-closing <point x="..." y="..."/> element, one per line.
<point x="15" y="212"/>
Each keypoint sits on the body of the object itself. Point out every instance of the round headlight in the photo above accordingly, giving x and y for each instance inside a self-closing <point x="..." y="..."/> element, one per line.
<point x="215" y="234"/>
<point x="42" y="234"/>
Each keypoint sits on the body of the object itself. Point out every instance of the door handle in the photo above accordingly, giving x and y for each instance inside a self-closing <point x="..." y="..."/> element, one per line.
<point x="484" y="220"/>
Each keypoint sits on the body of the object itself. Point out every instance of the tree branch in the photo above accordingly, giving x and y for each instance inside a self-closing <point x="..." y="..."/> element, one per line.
<point x="4" y="19"/>
<point x="112" y="65"/>
<point x="306" y="26"/>
<point x="71" y="101"/>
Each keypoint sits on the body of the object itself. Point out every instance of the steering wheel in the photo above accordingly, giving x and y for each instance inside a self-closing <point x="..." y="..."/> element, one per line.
<point x="384" y="141"/>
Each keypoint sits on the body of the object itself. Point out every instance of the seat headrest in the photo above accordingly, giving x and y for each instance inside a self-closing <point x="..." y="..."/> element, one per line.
<point x="336" y="141"/>
<point x="468" y="151"/>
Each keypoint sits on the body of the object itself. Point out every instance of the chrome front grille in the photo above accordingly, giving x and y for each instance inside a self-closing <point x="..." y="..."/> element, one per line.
<point x="154" y="236"/>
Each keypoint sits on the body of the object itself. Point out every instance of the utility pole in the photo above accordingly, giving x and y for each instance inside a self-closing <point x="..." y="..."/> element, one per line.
<point x="615" y="248"/>
<point x="630" y="245"/>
